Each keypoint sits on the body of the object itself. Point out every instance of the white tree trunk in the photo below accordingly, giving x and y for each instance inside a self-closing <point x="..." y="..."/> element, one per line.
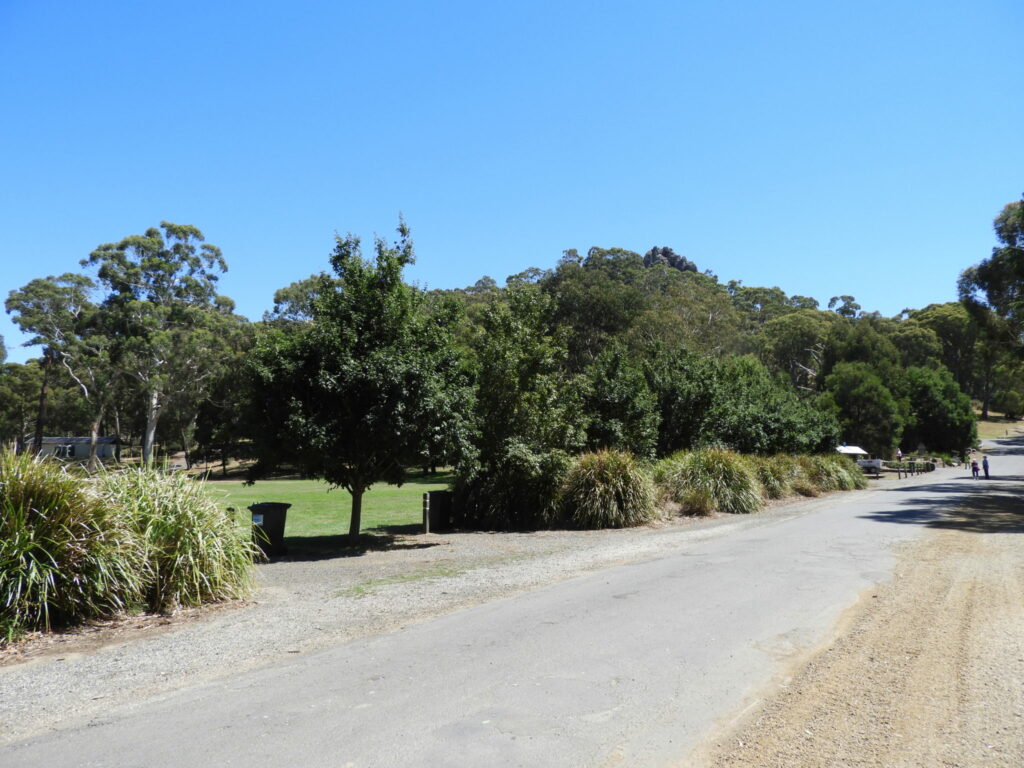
<point x="152" y="414"/>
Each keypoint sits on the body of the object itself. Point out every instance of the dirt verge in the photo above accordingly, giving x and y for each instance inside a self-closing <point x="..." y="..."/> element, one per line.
<point x="926" y="670"/>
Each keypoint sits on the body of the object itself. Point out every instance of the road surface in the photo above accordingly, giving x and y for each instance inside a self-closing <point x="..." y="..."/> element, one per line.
<point x="632" y="666"/>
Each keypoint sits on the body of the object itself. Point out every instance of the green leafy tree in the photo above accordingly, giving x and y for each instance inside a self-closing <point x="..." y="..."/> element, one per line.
<point x="998" y="281"/>
<point x="528" y="416"/>
<point x="368" y="387"/>
<point x="161" y="300"/>
<point x="794" y="343"/>
<point x="846" y="306"/>
<point x="957" y="333"/>
<point x="868" y="413"/>
<point x="753" y="412"/>
<point x="597" y="300"/>
<point x="19" y="391"/>
<point x="917" y="344"/>
<point x="941" y="415"/>
<point x="685" y="387"/>
<point x="621" y="409"/>
<point x="52" y="311"/>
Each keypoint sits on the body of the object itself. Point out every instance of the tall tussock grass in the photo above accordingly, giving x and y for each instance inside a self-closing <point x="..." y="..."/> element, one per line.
<point x="196" y="552"/>
<point x="66" y="552"/>
<point x="73" y="548"/>
<point x="832" y="473"/>
<point x="709" y="480"/>
<point x="776" y="474"/>
<point x="607" y="489"/>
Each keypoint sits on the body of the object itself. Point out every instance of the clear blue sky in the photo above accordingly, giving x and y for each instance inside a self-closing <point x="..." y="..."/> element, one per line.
<point x="827" y="148"/>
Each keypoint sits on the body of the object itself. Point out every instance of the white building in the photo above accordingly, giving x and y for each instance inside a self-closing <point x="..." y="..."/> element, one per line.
<point x="78" y="447"/>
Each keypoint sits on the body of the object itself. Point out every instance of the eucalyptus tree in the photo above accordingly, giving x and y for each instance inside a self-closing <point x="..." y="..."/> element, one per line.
<point x="368" y="387"/>
<point x="19" y="392"/>
<point x="161" y="293"/>
<point x="794" y="343"/>
<point x="998" y="281"/>
<point x="62" y="317"/>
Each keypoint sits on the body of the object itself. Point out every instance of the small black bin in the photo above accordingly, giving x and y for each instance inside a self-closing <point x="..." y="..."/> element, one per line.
<point x="268" y="526"/>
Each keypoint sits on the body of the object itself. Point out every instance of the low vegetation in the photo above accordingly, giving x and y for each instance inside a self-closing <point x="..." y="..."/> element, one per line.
<point x="709" y="480"/>
<point x="195" y="551"/>
<point x="66" y="552"/>
<point x="607" y="489"/>
<point x="74" y="548"/>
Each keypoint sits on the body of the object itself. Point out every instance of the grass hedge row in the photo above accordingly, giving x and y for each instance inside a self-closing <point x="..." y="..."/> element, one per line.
<point x="611" y="489"/>
<point x="74" y="548"/>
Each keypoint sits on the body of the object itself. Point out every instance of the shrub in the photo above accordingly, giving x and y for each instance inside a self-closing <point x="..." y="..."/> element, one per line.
<point x="710" y="480"/>
<point x="519" y="492"/>
<point x="607" y="489"/>
<point x="196" y="552"/>
<point x="66" y="553"/>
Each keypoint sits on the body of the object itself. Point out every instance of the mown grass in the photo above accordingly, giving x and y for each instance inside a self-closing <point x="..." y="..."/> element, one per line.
<point x="318" y="510"/>
<point x="997" y="426"/>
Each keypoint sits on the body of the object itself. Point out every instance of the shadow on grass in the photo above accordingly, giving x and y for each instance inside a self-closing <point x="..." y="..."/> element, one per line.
<point x="312" y="548"/>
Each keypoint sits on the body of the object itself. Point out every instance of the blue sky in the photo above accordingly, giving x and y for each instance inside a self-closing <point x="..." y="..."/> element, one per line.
<point x="827" y="148"/>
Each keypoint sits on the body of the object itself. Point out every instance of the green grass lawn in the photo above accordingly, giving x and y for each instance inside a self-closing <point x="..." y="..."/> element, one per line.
<point x="319" y="512"/>
<point x="999" y="426"/>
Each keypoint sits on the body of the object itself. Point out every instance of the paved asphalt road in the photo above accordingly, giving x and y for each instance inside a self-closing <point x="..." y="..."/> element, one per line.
<point x="627" y="666"/>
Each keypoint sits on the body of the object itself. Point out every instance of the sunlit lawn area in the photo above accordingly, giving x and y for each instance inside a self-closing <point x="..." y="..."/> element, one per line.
<point x="317" y="511"/>
<point x="998" y="426"/>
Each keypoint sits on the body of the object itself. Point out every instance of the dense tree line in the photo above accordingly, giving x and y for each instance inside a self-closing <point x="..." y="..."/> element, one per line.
<point x="356" y="376"/>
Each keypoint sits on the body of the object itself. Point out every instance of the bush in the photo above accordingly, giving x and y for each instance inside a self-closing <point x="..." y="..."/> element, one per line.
<point x="607" y="489"/>
<point x="196" y="552"/>
<point x="710" y="480"/>
<point x="517" y="493"/>
<point x="66" y="553"/>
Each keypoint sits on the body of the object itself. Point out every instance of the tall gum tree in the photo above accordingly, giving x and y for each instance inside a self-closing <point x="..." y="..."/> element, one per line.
<point x="161" y="290"/>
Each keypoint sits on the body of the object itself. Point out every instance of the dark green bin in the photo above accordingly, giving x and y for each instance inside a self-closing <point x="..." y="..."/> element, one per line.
<point x="268" y="527"/>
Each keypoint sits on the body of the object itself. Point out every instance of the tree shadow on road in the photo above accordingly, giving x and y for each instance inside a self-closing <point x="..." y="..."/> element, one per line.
<point x="996" y="510"/>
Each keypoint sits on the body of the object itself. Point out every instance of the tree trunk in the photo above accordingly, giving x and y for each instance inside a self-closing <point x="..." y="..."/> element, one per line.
<point x="224" y="459"/>
<point x="184" y="446"/>
<point x="152" y="414"/>
<point x="37" y="440"/>
<point x="94" y="435"/>
<point x="357" y="513"/>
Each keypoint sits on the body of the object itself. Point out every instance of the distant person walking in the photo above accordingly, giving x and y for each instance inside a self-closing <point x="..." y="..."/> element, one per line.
<point x="899" y="454"/>
<point x="984" y="464"/>
<point x="974" y="468"/>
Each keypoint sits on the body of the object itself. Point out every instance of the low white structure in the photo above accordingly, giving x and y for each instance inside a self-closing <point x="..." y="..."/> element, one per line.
<point x="78" y="447"/>
<point x="852" y="450"/>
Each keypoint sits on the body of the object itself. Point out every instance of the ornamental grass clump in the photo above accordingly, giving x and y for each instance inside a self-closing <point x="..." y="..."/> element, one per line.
<point x="67" y="553"/>
<point x="709" y="480"/>
<point x="832" y="473"/>
<point x="196" y="552"/>
<point x="607" y="489"/>
<point x="776" y="474"/>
